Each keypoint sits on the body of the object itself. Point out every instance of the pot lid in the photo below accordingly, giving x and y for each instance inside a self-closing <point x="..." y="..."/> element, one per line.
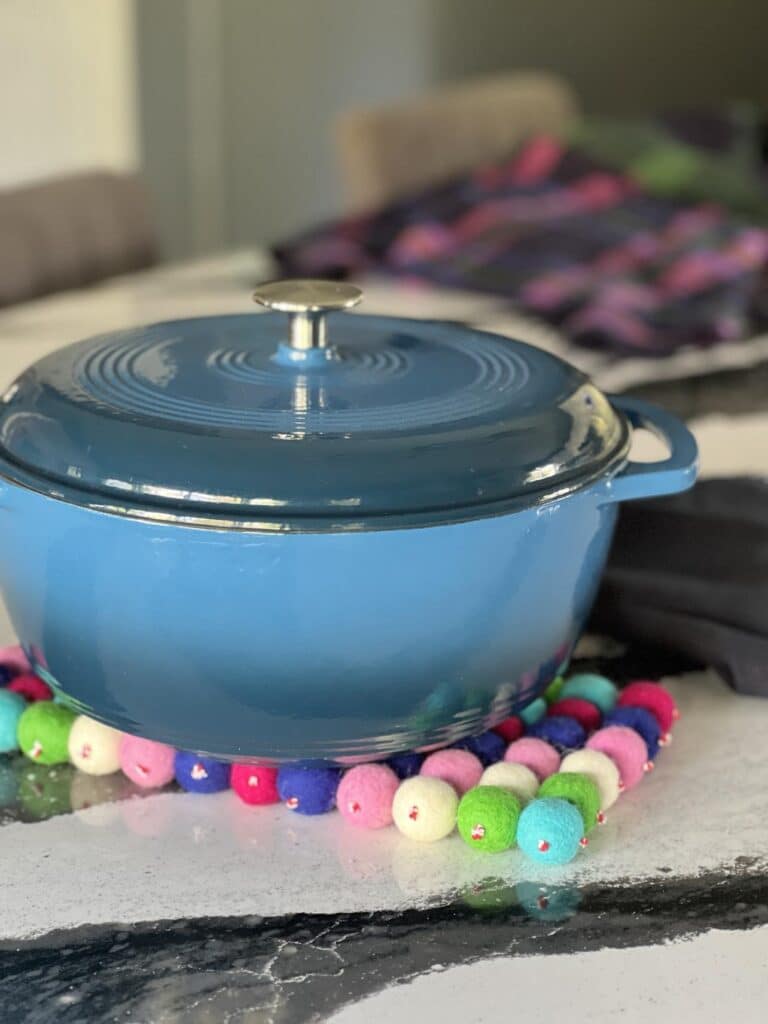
<point x="317" y="421"/>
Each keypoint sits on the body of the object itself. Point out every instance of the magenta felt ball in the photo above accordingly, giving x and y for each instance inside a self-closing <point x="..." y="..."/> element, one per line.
<point x="458" y="767"/>
<point x="625" y="748"/>
<point x="510" y="729"/>
<point x="365" y="795"/>
<point x="653" y="698"/>
<point x="30" y="687"/>
<point x="586" y="714"/>
<point x="145" y="762"/>
<point x="538" y="755"/>
<point x="255" y="783"/>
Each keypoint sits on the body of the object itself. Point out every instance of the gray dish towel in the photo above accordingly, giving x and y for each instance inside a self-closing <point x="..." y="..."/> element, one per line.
<point x="690" y="574"/>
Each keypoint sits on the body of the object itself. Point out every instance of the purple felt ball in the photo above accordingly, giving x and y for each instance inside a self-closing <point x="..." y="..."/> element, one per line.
<point x="199" y="774"/>
<point x="405" y="766"/>
<point x="563" y="732"/>
<point x="308" y="789"/>
<point x="642" y="721"/>
<point x="488" y="746"/>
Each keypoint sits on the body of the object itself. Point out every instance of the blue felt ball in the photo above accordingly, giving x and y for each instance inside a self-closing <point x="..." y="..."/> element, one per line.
<point x="534" y="711"/>
<point x="12" y="707"/>
<point x="405" y="766"/>
<point x="642" y="721"/>
<point x="590" y="686"/>
<point x="199" y="774"/>
<point x="308" y="789"/>
<point x="6" y="674"/>
<point x="489" y="747"/>
<point x="550" y="830"/>
<point x="562" y="731"/>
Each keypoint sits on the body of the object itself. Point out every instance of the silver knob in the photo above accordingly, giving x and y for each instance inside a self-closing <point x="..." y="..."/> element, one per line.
<point x="307" y="303"/>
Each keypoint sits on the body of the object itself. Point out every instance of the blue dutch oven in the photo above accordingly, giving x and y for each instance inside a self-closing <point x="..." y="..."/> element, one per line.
<point x="314" y="536"/>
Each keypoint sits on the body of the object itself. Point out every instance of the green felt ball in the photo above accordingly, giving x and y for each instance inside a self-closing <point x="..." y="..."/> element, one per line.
<point x="43" y="732"/>
<point x="576" y="789"/>
<point x="487" y="818"/>
<point x="552" y="692"/>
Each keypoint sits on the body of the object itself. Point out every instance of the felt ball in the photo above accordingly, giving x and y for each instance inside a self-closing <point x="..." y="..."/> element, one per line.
<point x="255" y="783"/>
<point x="487" y="818"/>
<point x="517" y="778"/>
<point x="12" y="707"/>
<point x="625" y="748"/>
<point x="424" y="808"/>
<point x="44" y="790"/>
<point x="406" y="765"/>
<point x="533" y="712"/>
<point x="488" y="747"/>
<point x="550" y="831"/>
<point x="6" y="674"/>
<point x="94" y="748"/>
<point x="552" y="692"/>
<point x="30" y="687"/>
<point x="365" y="795"/>
<point x="598" y="767"/>
<point x="15" y="659"/>
<point x="587" y="715"/>
<point x="539" y="756"/>
<point x="197" y="774"/>
<point x="562" y="732"/>
<point x="510" y="729"/>
<point x="642" y="721"/>
<point x="145" y="762"/>
<point x="654" y="698"/>
<point x="43" y="732"/>
<point x="308" y="789"/>
<point x="579" y="790"/>
<point x="458" y="767"/>
<point x="596" y="689"/>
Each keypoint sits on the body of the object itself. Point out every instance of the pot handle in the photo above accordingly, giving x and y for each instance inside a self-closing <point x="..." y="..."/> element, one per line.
<point x="652" y="479"/>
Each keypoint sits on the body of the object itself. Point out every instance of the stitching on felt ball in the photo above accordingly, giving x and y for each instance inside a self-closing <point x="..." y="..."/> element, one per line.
<point x="198" y="772"/>
<point x="413" y="814"/>
<point x="478" y="832"/>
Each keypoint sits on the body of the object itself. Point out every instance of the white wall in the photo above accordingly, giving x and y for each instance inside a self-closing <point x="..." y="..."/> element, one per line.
<point x="67" y="87"/>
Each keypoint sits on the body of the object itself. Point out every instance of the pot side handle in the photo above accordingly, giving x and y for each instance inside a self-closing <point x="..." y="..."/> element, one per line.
<point x="652" y="479"/>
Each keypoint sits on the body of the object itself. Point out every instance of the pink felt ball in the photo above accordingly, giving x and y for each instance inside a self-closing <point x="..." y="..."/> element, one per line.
<point x="586" y="714"/>
<point x="626" y="749"/>
<point x="458" y="767"/>
<point x="145" y="762"/>
<point x="365" y="795"/>
<point x="255" y="783"/>
<point x="30" y="687"/>
<point x="14" y="658"/>
<point x="538" y="755"/>
<point x="654" y="698"/>
<point x="510" y="729"/>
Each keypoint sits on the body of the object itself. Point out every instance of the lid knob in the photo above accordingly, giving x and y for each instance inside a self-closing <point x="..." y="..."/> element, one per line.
<point x="307" y="303"/>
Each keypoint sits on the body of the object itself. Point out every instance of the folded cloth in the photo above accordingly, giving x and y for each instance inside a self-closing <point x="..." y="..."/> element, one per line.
<point x="569" y="239"/>
<point x="690" y="574"/>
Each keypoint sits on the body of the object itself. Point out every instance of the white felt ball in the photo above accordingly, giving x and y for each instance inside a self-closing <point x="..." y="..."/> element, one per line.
<point x="424" y="808"/>
<point x="517" y="778"/>
<point x="94" y="748"/>
<point x="600" y="769"/>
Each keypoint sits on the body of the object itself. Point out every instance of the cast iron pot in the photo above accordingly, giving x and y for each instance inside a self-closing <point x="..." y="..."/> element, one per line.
<point x="252" y="536"/>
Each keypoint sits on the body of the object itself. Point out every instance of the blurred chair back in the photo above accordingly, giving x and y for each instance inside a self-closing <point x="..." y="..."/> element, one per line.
<point x="71" y="232"/>
<point x="388" y="152"/>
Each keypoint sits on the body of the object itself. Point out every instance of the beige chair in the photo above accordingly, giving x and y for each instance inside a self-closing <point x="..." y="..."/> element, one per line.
<point x="389" y="152"/>
<point x="72" y="231"/>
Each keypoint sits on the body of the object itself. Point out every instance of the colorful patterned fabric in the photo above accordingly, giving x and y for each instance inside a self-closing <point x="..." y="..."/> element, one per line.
<point x="571" y="240"/>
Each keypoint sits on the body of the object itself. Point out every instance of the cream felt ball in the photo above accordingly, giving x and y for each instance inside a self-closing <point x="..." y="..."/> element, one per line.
<point x="598" y="767"/>
<point x="517" y="778"/>
<point x="94" y="748"/>
<point x="424" y="808"/>
<point x="458" y="767"/>
<point x="365" y="795"/>
<point x="145" y="762"/>
<point x="538" y="755"/>
<point x="625" y="748"/>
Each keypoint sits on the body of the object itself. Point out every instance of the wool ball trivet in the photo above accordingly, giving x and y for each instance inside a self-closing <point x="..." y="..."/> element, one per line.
<point x="625" y="748"/>
<point x="365" y="795"/>
<point x="198" y="774"/>
<point x="424" y="808"/>
<point x="586" y="714"/>
<point x="43" y="732"/>
<point x="255" y="783"/>
<point x="12" y="707"/>
<point x="94" y="748"/>
<point x="308" y="789"/>
<point x="550" y="831"/>
<point x="147" y="763"/>
<point x="598" y="767"/>
<point x="458" y="767"/>
<point x="517" y="778"/>
<point x="539" y="756"/>
<point x="487" y="818"/>
<point x="592" y="687"/>
<point x="579" y="790"/>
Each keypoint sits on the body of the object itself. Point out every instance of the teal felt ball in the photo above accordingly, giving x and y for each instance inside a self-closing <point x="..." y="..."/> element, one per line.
<point x="12" y="707"/>
<point x="550" y="831"/>
<point x="577" y="789"/>
<point x="596" y="689"/>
